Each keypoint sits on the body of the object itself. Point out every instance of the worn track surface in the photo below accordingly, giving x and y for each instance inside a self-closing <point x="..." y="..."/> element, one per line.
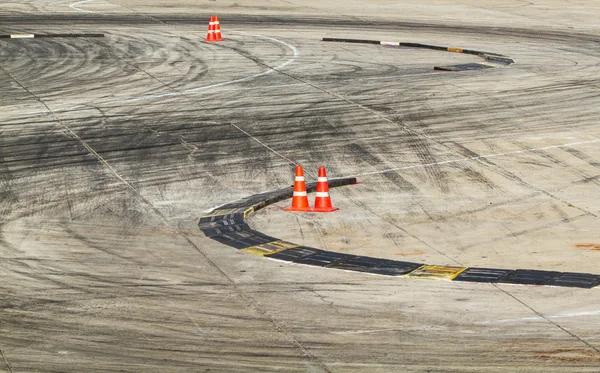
<point x="111" y="149"/>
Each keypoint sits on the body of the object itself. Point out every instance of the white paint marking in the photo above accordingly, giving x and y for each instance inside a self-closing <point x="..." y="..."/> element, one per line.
<point x="367" y="331"/>
<point x="58" y="3"/>
<point x="544" y="318"/>
<point x="74" y="6"/>
<point x="229" y="82"/>
<point x="22" y="36"/>
<point x="478" y="157"/>
<point x="271" y="70"/>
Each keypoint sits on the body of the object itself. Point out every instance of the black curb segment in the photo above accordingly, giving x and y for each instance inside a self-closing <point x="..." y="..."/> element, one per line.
<point x="358" y="41"/>
<point x="70" y="36"/>
<point x="41" y="36"/>
<point x="227" y="224"/>
<point x="423" y="46"/>
<point x="492" y="57"/>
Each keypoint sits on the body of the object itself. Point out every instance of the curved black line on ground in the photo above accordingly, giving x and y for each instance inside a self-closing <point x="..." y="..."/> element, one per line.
<point x="227" y="225"/>
<point x="492" y="57"/>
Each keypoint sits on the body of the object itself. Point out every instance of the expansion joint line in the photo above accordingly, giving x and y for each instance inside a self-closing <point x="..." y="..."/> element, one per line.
<point x="338" y="96"/>
<point x="255" y="305"/>
<point x="192" y="100"/>
<point x="240" y="293"/>
<point x="6" y="361"/>
<point x="70" y="132"/>
<point x="130" y="186"/>
<point x="544" y="148"/>
<point x="366" y="108"/>
<point x="249" y="300"/>
<point x="570" y="333"/>
<point x="368" y="208"/>
<point x="183" y="94"/>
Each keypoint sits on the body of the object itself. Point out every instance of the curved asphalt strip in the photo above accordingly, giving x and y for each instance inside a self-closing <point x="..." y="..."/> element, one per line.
<point x="227" y="225"/>
<point x="494" y="58"/>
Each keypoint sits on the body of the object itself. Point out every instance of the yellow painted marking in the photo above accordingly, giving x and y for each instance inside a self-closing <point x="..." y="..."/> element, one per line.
<point x="455" y="50"/>
<point x="21" y="36"/>
<point x="486" y="64"/>
<point x="436" y="272"/>
<point x="270" y="248"/>
<point x="248" y="212"/>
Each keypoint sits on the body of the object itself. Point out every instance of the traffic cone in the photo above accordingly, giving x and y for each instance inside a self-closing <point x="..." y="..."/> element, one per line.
<point x="299" y="199"/>
<point x="217" y="29"/>
<point x="323" y="201"/>
<point x="211" y="30"/>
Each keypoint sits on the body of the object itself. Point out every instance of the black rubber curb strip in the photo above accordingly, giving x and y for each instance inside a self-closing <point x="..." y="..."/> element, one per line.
<point x="39" y="36"/>
<point x="227" y="225"/>
<point x="493" y="57"/>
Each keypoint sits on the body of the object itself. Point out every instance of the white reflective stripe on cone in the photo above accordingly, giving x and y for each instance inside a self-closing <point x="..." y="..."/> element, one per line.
<point x="321" y="179"/>
<point x="211" y="23"/>
<point x="299" y="194"/>
<point x="299" y="178"/>
<point x="217" y="23"/>
<point x="322" y="194"/>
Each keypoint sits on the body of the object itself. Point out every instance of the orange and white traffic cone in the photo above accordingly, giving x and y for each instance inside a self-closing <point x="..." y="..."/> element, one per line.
<point x="300" y="198"/>
<point x="217" y="29"/>
<point x="211" y="30"/>
<point x="323" y="201"/>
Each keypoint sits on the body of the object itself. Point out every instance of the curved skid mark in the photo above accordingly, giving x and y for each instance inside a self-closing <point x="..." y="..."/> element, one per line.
<point x="222" y="84"/>
<point x="485" y="156"/>
<point x="295" y="51"/>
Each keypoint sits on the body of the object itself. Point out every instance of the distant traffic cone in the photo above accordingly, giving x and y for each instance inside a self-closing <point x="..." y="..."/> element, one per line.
<point x="211" y="30"/>
<point x="217" y="29"/>
<point x="323" y="201"/>
<point x="299" y="199"/>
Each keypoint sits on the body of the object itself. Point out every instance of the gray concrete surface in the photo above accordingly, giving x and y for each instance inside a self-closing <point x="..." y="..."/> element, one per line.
<point x="111" y="149"/>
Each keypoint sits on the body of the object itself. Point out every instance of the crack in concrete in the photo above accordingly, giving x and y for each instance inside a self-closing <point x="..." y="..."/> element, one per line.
<point x="539" y="314"/>
<point x="6" y="361"/>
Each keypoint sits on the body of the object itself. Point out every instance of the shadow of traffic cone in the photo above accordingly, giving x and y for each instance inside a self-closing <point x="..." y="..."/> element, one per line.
<point x="217" y="29"/>
<point x="300" y="198"/>
<point x="211" y="30"/>
<point x="323" y="201"/>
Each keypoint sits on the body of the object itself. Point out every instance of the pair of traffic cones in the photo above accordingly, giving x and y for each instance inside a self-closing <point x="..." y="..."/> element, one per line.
<point x="214" y="29"/>
<point x="300" y="198"/>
